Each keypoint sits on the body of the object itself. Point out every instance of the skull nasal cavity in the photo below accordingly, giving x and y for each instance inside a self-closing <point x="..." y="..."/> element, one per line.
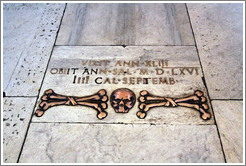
<point x="121" y="102"/>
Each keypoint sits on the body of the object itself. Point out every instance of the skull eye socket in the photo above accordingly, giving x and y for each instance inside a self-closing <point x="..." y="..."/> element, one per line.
<point x="126" y="100"/>
<point x="118" y="100"/>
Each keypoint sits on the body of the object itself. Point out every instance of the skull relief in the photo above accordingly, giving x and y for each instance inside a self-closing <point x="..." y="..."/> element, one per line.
<point x="122" y="100"/>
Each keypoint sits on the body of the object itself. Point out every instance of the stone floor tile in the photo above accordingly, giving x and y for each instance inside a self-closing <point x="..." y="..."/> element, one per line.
<point x="19" y="35"/>
<point x="69" y="58"/>
<point x="218" y="30"/>
<point x="125" y="24"/>
<point x="119" y="143"/>
<point x="16" y="116"/>
<point x="33" y="55"/>
<point x="229" y="117"/>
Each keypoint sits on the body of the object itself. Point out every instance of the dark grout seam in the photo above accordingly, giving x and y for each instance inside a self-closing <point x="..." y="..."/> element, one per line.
<point x="20" y="96"/>
<point x="228" y="99"/>
<point x="40" y="87"/>
<point x="122" y="123"/>
<point x="204" y="81"/>
<point x="124" y="46"/>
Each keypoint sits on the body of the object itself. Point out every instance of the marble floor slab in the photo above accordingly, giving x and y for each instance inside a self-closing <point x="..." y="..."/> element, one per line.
<point x="78" y="49"/>
<point x="29" y="47"/>
<point x="16" y="116"/>
<point x="69" y="65"/>
<point x="125" y="24"/>
<point x="229" y="118"/>
<point x="218" y="30"/>
<point x="26" y="19"/>
<point x="119" y="143"/>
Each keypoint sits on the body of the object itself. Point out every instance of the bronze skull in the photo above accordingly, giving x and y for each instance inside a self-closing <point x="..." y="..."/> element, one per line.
<point x="122" y="100"/>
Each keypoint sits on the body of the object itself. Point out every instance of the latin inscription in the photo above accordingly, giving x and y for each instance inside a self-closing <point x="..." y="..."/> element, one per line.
<point x="132" y="72"/>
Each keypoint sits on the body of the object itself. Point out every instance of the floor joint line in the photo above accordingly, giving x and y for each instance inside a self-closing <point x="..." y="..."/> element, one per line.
<point x="123" y="123"/>
<point x="19" y="96"/>
<point x="222" y="148"/>
<point x="30" y="121"/>
<point x="125" y="46"/>
<point x="228" y="99"/>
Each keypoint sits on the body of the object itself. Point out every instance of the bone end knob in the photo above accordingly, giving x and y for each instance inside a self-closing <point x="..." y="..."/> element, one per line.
<point x="49" y="91"/>
<point x="102" y="92"/>
<point x="102" y="115"/>
<point x="141" y="114"/>
<point x="206" y="116"/>
<point x="104" y="105"/>
<point x="141" y="99"/>
<point x="198" y="93"/>
<point x="105" y="98"/>
<point x="144" y="92"/>
<point x="39" y="112"/>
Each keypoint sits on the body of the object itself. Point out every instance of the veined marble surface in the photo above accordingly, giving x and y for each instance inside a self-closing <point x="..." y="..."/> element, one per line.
<point x="32" y="53"/>
<point x="125" y="24"/>
<point x="16" y="116"/>
<point x="20" y="22"/>
<point x="161" y="40"/>
<point x="218" y="30"/>
<point x="120" y="143"/>
<point x="229" y="117"/>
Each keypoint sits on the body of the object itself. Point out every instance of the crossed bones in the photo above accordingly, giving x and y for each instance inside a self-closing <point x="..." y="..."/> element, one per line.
<point x="96" y="101"/>
<point x="196" y="101"/>
<point x="147" y="101"/>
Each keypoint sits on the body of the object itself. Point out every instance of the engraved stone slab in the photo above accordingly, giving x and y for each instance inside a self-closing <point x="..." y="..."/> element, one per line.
<point x="125" y="24"/>
<point x="218" y="29"/>
<point x="229" y="117"/>
<point x="16" y="116"/>
<point x="73" y="143"/>
<point x="164" y="71"/>
<point x="27" y="72"/>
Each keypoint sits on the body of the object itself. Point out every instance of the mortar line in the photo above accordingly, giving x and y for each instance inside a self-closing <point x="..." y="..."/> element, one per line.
<point x="19" y="96"/>
<point x="29" y="123"/>
<point x="204" y="81"/>
<point x="117" y="45"/>
<point x="228" y="99"/>
<point x="123" y="123"/>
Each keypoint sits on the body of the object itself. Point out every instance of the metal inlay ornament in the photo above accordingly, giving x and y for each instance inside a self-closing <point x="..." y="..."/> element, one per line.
<point x="196" y="101"/>
<point x="122" y="100"/>
<point x="96" y="101"/>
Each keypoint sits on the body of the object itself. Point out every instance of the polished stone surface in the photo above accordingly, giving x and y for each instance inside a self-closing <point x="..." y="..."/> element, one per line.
<point x="18" y="36"/>
<point x="218" y="30"/>
<point x="125" y="24"/>
<point x="168" y="65"/>
<point x="16" y="116"/>
<point x="73" y="57"/>
<point x="25" y="73"/>
<point x="229" y="117"/>
<point x="120" y="143"/>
